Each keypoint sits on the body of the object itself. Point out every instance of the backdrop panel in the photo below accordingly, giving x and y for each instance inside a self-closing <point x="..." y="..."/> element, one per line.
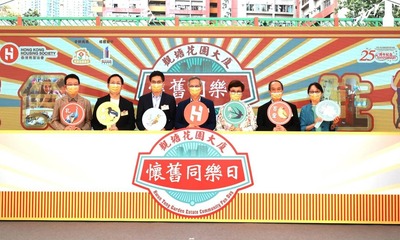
<point x="358" y="67"/>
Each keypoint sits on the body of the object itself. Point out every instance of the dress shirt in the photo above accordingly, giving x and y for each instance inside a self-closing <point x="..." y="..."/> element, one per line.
<point x="61" y="102"/>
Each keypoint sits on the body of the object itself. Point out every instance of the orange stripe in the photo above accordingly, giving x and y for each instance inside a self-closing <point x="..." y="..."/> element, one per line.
<point x="323" y="208"/>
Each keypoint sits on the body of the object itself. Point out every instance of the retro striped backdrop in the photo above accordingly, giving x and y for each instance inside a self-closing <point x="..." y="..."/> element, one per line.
<point x="297" y="57"/>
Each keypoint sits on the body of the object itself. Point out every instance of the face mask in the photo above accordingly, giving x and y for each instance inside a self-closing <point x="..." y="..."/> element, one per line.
<point x="235" y="97"/>
<point x="276" y="95"/>
<point x="72" y="90"/>
<point x="114" y="88"/>
<point x="194" y="91"/>
<point x="315" y="96"/>
<point x="156" y="88"/>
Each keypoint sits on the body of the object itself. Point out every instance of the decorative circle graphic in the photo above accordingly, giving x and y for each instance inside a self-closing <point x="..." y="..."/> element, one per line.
<point x="195" y="149"/>
<point x="196" y="113"/>
<point x="328" y="110"/>
<point x="154" y="119"/>
<point x="279" y="113"/>
<point x="72" y="114"/>
<point x="108" y="113"/>
<point x="234" y="112"/>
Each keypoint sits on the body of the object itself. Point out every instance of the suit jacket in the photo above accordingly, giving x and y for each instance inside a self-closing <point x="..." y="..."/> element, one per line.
<point x="167" y="105"/>
<point x="180" y="121"/>
<point x="264" y="124"/>
<point x="125" y="122"/>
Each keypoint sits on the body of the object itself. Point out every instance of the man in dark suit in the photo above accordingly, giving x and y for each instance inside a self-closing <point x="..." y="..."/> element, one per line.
<point x="195" y="88"/>
<point x="127" y="114"/>
<point x="157" y="99"/>
<point x="264" y="124"/>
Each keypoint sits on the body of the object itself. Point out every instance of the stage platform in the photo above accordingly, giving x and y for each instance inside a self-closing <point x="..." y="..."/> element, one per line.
<point x="44" y="230"/>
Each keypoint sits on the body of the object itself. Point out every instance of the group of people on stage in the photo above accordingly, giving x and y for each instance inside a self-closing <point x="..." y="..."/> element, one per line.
<point x="175" y="113"/>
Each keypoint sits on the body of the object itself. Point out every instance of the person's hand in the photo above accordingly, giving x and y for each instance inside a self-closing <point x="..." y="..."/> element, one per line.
<point x="335" y="122"/>
<point x="237" y="129"/>
<point x="113" y="128"/>
<point x="233" y="128"/>
<point x="279" y="128"/>
<point x="69" y="128"/>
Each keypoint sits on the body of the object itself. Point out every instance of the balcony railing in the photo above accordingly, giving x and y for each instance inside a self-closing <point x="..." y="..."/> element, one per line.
<point x="191" y="21"/>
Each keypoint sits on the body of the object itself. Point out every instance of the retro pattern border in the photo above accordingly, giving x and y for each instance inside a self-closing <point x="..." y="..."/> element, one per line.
<point x="246" y="207"/>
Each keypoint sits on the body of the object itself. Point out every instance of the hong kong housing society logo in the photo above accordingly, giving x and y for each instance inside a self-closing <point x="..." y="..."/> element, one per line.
<point x="193" y="172"/>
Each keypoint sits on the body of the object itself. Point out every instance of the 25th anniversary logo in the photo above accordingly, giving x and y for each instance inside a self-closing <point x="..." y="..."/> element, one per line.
<point x="193" y="172"/>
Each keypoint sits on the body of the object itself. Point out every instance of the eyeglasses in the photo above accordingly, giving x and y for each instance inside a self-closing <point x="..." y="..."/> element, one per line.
<point x="314" y="92"/>
<point x="115" y="83"/>
<point x="235" y="93"/>
<point x="194" y="86"/>
<point x="73" y="84"/>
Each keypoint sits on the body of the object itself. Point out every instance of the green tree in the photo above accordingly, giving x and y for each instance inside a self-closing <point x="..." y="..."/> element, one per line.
<point x="30" y="22"/>
<point x="5" y="11"/>
<point x="356" y="8"/>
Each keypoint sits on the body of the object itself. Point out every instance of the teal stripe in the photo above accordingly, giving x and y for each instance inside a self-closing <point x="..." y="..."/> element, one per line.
<point x="9" y="102"/>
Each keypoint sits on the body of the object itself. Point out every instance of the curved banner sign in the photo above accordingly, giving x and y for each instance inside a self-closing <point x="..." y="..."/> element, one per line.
<point x="193" y="172"/>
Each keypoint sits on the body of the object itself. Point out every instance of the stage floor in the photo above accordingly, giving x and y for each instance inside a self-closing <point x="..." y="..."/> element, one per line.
<point x="33" y="230"/>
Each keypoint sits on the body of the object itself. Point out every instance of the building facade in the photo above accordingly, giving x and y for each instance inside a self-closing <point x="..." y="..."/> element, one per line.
<point x="181" y="8"/>
<point x="317" y="9"/>
<point x="54" y="8"/>
<point x="195" y="8"/>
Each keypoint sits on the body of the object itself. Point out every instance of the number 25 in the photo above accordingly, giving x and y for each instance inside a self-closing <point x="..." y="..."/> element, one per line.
<point x="367" y="55"/>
